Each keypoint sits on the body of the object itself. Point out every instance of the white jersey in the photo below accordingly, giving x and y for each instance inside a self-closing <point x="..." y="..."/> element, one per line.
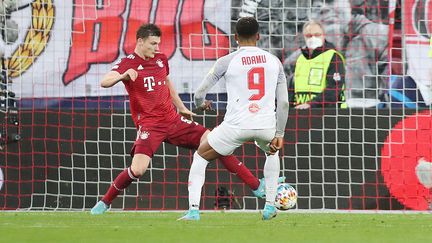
<point x="252" y="76"/>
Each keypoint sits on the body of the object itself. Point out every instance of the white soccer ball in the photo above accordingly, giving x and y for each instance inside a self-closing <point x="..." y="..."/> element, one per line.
<point x="286" y="197"/>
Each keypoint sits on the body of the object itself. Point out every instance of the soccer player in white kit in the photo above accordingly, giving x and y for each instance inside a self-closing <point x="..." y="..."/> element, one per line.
<point x="257" y="110"/>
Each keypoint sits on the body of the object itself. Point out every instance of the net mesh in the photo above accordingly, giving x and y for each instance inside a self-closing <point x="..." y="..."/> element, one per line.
<point x="63" y="141"/>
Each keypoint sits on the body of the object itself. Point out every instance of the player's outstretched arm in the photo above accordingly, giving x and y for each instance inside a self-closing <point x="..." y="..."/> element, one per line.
<point x="178" y="102"/>
<point x="213" y="76"/>
<point x="282" y="105"/>
<point x="113" y="77"/>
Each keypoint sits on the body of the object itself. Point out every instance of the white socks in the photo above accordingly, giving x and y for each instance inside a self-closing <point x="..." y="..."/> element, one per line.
<point x="196" y="180"/>
<point x="271" y="174"/>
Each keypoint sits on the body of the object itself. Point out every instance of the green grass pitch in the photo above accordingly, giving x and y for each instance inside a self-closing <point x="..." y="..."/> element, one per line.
<point x="213" y="227"/>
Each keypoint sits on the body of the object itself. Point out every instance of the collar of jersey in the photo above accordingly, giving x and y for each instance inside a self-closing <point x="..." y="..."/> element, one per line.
<point x="248" y="47"/>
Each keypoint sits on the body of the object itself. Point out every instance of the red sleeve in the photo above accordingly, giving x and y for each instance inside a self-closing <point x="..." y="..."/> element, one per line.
<point x="165" y="62"/>
<point x="121" y="66"/>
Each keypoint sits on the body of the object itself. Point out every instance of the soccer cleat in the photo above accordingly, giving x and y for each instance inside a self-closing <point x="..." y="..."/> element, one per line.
<point x="269" y="212"/>
<point x="191" y="214"/>
<point x="260" y="191"/>
<point x="99" y="208"/>
<point x="281" y="179"/>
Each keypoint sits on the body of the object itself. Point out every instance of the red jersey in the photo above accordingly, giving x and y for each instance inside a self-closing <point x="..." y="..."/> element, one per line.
<point x="149" y="94"/>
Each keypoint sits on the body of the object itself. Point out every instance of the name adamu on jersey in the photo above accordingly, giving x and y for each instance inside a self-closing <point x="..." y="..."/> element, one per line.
<point x="248" y="60"/>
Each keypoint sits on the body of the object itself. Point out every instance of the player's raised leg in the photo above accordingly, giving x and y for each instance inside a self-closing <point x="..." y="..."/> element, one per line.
<point x="138" y="167"/>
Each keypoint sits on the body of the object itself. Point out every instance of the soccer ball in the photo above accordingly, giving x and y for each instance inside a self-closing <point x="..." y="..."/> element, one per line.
<point x="286" y="197"/>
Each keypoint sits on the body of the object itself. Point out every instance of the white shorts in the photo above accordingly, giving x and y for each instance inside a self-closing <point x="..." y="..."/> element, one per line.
<point x="224" y="139"/>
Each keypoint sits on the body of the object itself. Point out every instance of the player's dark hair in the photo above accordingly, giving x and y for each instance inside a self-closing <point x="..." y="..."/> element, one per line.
<point x="147" y="30"/>
<point x="247" y="27"/>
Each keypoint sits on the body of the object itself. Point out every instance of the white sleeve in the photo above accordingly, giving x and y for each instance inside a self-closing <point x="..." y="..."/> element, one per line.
<point x="214" y="75"/>
<point x="282" y="104"/>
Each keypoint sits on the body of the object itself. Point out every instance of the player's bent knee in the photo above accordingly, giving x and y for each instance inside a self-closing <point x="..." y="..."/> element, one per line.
<point x="140" y="163"/>
<point x="207" y="152"/>
<point x="138" y="172"/>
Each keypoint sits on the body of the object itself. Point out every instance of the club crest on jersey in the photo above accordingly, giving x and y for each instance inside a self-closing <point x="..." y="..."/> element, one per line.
<point x="254" y="108"/>
<point x="160" y="63"/>
<point x="143" y="135"/>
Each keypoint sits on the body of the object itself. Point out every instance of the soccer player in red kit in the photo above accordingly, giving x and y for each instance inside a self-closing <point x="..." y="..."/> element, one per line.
<point x="153" y="103"/>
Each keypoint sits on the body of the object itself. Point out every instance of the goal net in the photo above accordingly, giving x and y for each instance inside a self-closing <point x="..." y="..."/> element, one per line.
<point x="64" y="139"/>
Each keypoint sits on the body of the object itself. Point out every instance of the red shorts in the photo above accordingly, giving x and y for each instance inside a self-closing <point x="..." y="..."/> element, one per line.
<point x="180" y="132"/>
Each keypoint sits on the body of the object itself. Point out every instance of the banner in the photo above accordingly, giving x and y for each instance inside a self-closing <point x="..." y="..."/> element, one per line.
<point x="417" y="22"/>
<point x="63" y="48"/>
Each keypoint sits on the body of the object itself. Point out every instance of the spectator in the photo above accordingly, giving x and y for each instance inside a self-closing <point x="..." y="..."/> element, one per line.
<point x="362" y="42"/>
<point x="319" y="77"/>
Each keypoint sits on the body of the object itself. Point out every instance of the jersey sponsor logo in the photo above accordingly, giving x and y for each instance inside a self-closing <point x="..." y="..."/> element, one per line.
<point x="149" y="83"/>
<point x="254" y="108"/>
<point x="160" y="63"/>
<point x="140" y="67"/>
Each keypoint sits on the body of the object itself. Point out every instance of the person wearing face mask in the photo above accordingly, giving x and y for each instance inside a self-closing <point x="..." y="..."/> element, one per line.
<point x="319" y="76"/>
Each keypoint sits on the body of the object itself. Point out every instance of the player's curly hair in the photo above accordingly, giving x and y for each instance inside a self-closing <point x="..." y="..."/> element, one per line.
<point x="147" y="30"/>
<point x="247" y="27"/>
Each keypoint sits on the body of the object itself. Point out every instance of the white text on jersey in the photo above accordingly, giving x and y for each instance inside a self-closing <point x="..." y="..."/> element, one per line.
<point x="149" y="83"/>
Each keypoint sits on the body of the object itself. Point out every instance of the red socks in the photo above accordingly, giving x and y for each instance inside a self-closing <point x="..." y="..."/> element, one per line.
<point x="123" y="180"/>
<point x="233" y="165"/>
